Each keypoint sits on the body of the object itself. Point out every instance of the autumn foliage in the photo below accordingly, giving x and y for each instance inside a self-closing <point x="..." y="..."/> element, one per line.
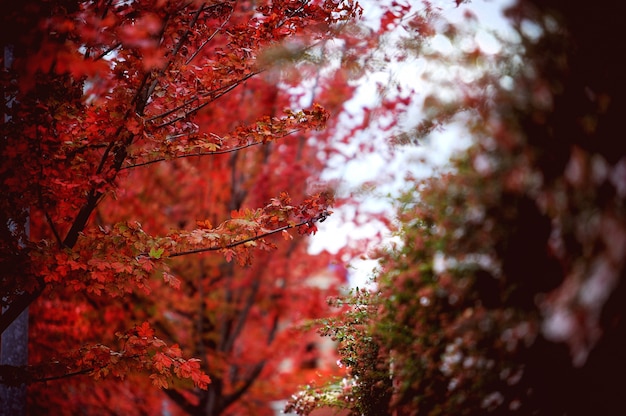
<point x="139" y="134"/>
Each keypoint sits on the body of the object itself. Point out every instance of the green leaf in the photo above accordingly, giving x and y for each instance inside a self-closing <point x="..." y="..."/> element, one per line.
<point x="156" y="253"/>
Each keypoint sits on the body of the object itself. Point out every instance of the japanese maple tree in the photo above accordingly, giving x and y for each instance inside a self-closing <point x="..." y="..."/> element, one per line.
<point x="101" y="96"/>
<point x="237" y="317"/>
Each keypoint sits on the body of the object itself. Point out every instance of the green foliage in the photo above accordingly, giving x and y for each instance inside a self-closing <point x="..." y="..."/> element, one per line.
<point x="366" y="390"/>
<point x="505" y="294"/>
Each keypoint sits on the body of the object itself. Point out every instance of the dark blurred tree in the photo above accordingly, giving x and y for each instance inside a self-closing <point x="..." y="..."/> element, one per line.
<point x="507" y="292"/>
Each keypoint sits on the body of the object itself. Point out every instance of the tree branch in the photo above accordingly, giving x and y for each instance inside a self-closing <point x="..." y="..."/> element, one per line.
<point x="210" y="38"/>
<point x="62" y="376"/>
<point x="242" y="316"/>
<point x="107" y="51"/>
<point x="57" y="236"/>
<point x="222" y="90"/>
<point x="17" y="375"/>
<point x="18" y="305"/>
<point x="259" y="367"/>
<point x="181" y="401"/>
<point x="52" y="227"/>
<point x="254" y="374"/>
<point x="199" y="154"/>
<point x="217" y="152"/>
<point x="247" y="240"/>
<point x="23" y="301"/>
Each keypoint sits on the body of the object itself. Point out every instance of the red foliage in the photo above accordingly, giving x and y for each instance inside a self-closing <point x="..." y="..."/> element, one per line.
<point x="109" y="108"/>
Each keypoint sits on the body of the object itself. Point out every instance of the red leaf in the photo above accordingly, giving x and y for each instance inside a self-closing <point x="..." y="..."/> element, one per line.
<point x="145" y="331"/>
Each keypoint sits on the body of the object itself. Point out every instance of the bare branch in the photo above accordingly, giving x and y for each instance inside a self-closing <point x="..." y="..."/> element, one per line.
<point x="62" y="376"/>
<point x="108" y="51"/>
<point x="52" y="227"/>
<point x="254" y="374"/>
<point x="243" y="315"/>
<point x="180" y="400"/>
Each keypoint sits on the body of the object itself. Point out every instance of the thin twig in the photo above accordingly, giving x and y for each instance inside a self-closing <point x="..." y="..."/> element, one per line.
<point x="222" y="90"/>
<point x="210" y="38"/>
<point x="108" y="51"/>
<point x="62" y="376"/>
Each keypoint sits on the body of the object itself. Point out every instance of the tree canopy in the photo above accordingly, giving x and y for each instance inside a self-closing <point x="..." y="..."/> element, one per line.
<point x="136" y="135"/>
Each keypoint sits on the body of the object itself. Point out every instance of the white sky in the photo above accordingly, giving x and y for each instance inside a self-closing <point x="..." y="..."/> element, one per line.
<point x="338" y="230"/>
